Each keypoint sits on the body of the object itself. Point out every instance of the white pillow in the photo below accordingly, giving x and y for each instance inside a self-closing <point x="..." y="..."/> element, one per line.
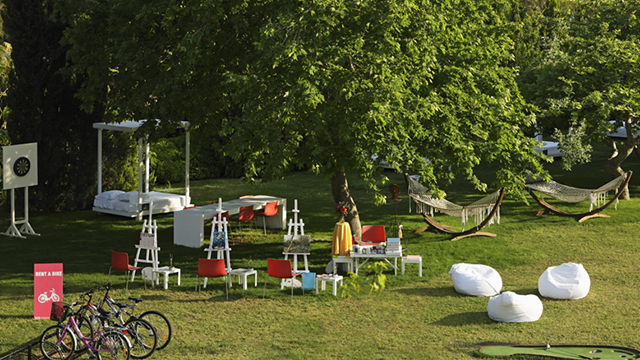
<point x="511" y="307"/>
<point x="475" y="279"/>
<point x="566" y="281"/>
<point x="132" y="197"/>
<point x="109" y="195"/>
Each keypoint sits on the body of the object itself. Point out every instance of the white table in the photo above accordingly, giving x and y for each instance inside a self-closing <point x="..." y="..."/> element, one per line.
<point x="385" y="257"/>
<point x="168" y="270"/>
<point x="242" y="276"/>
<point x="324" y="279"/>
<point x="188" y="224"/>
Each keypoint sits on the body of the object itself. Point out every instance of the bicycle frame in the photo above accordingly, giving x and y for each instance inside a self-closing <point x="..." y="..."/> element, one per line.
<point x="88" y="342"/>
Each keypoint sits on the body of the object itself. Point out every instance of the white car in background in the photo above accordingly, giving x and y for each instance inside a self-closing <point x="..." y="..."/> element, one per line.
<point x="548" y="148"/>
<point x="620" y="133"/>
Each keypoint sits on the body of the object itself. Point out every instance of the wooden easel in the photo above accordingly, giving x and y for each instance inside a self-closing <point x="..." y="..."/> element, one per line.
<point x="219" y="224"/>
<point x="295" y="226"/>
<point x="149" y="243"/>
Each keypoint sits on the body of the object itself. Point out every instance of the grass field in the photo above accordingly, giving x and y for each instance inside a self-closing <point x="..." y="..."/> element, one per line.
<point x="413" y="318"/>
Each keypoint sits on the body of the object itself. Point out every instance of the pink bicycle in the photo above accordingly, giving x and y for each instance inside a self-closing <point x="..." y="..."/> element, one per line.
<point x="59" y="342"/>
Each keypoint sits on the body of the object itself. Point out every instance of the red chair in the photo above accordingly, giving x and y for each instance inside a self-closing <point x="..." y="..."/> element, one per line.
<point x="245" y="214"/>
<point x="374" y="234"/>
<point x="279" y="269"/>
<point x="270" y="209"/>
<point x="211" y="268"/>
<point x="120" y="261"/>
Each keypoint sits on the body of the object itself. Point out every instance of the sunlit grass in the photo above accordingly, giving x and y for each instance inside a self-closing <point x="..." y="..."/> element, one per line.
<point x="412" y="318"/>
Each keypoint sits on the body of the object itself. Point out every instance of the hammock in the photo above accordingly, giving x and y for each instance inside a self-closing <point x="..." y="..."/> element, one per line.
<point x="485" y="211"/>
<point x="597" y="197"/>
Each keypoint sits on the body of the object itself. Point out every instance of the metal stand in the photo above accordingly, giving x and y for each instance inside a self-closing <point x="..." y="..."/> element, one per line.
<point x="26" y="227"/>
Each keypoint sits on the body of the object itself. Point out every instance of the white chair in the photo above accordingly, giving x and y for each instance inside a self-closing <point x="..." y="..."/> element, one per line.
<point x="511" y="307"/>
<point x="566" y="281"/>
<point x="475" y="279"/>
<point x="413" y="259"/>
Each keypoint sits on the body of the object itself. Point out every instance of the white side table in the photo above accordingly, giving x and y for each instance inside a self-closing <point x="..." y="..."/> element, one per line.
<point x="166" y="271"/>
<point x="413" y="259"/>
<point x="242" y="276"/>
<point x="329" y="278"/>
<point x="344" y="260"/>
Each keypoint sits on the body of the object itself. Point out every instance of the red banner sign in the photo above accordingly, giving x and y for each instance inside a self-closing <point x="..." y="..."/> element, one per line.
<point x="47" y="288"/>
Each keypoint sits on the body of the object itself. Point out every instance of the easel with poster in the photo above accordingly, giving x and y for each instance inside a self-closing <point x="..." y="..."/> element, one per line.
<point x="295" y="245"/>
<point x="20" y="170"/>
<point x="148" y="243"/>
<point x="219" y="241"/>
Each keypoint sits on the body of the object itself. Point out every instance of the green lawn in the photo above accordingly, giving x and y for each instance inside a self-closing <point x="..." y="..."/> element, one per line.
<point x="413" y="318"/>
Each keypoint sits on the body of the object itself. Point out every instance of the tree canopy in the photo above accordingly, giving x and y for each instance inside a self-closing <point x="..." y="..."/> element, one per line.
<point x="589" y="75"/>
<point x="326" y="85"/>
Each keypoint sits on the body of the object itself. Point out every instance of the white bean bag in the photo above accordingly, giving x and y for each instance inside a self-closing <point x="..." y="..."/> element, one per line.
<point x="475" y="280"/>
<point x="511" y="307"/>
<point x="566" y="281"/>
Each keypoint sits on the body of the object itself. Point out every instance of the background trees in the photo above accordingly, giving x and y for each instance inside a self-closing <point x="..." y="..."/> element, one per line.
<point x="325" y="85"/>
<point x="589" y="75"/>
<point x="44" y="108"/>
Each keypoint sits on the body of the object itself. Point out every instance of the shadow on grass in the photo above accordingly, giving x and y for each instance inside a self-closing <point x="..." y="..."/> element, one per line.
<point x="468" y="318"/>
<point x="447" y="291"/>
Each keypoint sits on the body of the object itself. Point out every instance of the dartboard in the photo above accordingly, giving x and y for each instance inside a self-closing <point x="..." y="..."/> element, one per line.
<point x="22" y="166"/>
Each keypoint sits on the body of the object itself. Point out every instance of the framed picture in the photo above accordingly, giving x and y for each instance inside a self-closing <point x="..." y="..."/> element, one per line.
<point x="297" y="244"/>
<point x="218" y="239"/>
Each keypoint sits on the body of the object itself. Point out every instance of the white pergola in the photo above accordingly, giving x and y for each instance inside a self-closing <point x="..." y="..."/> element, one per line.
<point x="132" y="126"/>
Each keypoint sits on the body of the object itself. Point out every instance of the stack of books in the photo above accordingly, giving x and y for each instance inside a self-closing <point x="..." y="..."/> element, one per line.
<point x="393" y="245"/>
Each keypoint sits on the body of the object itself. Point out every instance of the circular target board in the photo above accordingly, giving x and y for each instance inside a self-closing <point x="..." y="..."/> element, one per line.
<point x="20" y="165"/>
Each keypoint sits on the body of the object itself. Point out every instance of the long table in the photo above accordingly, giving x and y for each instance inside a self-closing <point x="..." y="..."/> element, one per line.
<point x="188" y="224"/>
<point x="385" y="257"/>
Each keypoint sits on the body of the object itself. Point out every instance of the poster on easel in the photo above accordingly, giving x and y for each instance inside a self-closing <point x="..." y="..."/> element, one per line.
<point x="47" y="288"/>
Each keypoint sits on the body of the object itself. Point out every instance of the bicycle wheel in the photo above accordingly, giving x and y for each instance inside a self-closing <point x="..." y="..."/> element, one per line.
<point x="142" y="336"/>
<point x="113" y="346"/>
<point x="162" y="326"/>
<point x="57" y="344"/>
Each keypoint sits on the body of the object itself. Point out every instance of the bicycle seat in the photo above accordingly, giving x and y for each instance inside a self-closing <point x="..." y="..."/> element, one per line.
<point x="137" y="300"/>
<point x="123" y="306"/>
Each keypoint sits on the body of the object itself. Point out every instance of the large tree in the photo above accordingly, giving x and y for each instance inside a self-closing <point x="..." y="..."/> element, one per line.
<point x="44" y="108"/>
<point x="329" y="85"/>
<point x="591" y="74"/>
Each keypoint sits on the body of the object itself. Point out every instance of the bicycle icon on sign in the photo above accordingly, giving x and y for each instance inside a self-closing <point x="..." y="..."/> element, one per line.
<point x="43" y="298"/>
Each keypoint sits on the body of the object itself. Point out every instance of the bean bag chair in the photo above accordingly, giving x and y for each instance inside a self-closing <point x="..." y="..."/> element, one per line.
<point x="511" y="307"/>
<point x="475" y="280"/>
<point x="566" y="281"/>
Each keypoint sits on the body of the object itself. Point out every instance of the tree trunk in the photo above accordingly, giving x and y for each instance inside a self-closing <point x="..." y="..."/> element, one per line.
<point x="340" y="191"/>
<point x="612" y="165"/>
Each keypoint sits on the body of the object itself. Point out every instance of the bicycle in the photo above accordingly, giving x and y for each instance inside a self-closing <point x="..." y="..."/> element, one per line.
<point x="157" y="320"/>
<point x="142" y="336"/>
<point x="59" y="342"/>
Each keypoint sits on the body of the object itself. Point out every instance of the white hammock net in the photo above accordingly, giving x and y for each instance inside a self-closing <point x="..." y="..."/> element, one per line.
<point x="478" y="210"/>
<point x="569" y="194"/>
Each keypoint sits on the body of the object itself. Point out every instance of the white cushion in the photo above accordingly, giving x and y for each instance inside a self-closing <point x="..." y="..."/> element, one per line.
<point x="511" y="307"/>
<point x="566" y="281"/>
<point x="109" y="195"/>
<point x="132" y="197"/>
<point x="475" y="279"/>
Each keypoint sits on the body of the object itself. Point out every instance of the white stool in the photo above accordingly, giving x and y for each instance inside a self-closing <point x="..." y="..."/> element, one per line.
<point x="242" y="276"/>
<point x="344" y="260"/>
<point x="323" y="279"/>
<point x="166" y="271"/>
<point x="412" y="259"/>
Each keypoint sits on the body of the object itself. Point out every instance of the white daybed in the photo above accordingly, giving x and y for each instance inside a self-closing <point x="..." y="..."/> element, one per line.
<point x="136" y="203"/>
